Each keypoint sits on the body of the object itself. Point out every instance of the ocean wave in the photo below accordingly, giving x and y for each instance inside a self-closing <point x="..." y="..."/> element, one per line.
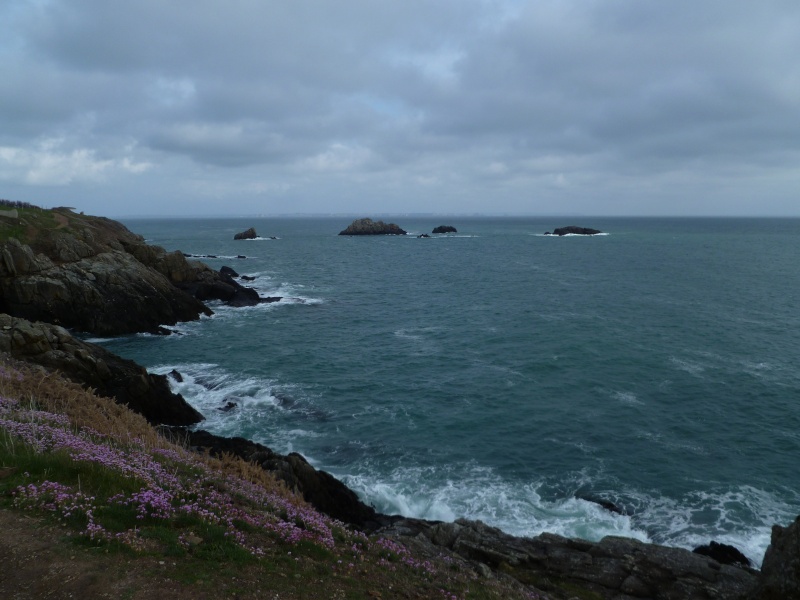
<point x="479" y="493"/>
<point x="741" y="517"/>
<point x="259" y="408"/>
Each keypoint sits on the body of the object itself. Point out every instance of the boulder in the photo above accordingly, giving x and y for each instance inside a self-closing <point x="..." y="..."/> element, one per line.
<point x="614" y="568"/>
<point x="94" y="367"/>
<point x="606" y="504"/>
<point x="211" y="285"/>
<point x="370" y="227"/>
<point x="724" y="554"/>
<point x="228" y="271"/>
<point x="572" y="229"/>
<point x="248" y="234"/>
<point x="780" y="570"/>
<point x="445" y="229"/>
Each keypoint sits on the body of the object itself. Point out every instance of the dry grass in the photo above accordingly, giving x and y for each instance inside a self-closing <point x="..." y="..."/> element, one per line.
<point x="51" y="392"/>
<point x="207" y="563"/>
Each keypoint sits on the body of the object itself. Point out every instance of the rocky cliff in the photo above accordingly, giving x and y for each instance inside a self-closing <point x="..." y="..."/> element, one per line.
<point x="92" y="274"/>
<point x="93" y="367"/>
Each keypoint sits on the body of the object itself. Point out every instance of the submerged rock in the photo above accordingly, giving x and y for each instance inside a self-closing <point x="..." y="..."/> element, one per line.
<point x="370" y="227"/>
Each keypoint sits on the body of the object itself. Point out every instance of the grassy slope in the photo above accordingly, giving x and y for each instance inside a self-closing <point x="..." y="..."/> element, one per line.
<point x="101" y="482"/>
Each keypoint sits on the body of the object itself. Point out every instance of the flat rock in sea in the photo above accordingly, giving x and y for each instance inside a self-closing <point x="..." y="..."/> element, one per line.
<point x="574" y="230"/>
<point x="370" y="227"/>
<point x="248" y="234"/>
<point x="444" y="229"/>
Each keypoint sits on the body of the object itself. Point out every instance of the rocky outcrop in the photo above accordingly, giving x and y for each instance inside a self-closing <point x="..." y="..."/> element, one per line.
<point x="724" y="554"/>
<point x="94" y="367"/>
<point x="370" y="227"/>
<point x="92" y="274"/>
<point x="212" y="285"/>
<point x="780" y="571"/>
<point x="572" y="229"/>
<point x="613" y="568"/>
<point x="248" y="234"/>
<point x="108" y="292"/>
<point x="320" y="489"/>
<point x="444" y="229"/>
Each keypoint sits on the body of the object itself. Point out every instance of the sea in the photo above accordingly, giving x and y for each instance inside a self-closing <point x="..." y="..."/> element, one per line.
<point x="504" y="375"/>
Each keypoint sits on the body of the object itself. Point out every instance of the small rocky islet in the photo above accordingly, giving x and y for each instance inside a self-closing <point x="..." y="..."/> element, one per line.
<point x="369" y="227"/>
<point x="93" y="275"/>
<point x="573" y="230"/>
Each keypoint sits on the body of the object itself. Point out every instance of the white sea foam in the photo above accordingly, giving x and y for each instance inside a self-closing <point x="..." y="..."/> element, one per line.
<point x="480" y="494"/>
<point x="667" y="442"/>
<point x="628" y="398"/>
<point x="260" y="404"/>
<point x="742" y="517"/>
<point x="98" y="340"/>
<point x="690" y="367"/>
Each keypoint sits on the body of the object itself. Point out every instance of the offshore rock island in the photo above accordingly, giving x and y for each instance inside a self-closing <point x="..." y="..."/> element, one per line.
<point x="573" y="230"/>
<point x="370" y="227"/>
<point x="60" y="271"/>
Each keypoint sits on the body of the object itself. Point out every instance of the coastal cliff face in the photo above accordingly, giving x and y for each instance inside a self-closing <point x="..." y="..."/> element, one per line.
<point x="91" y="366"/>
<point x="92" y="274"/>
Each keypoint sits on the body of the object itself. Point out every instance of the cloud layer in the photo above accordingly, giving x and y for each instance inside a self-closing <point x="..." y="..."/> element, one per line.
<point x="454" y="106"/>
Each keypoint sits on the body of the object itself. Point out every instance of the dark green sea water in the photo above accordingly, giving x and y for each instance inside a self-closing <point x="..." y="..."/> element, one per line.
<point x="497" y="373"/>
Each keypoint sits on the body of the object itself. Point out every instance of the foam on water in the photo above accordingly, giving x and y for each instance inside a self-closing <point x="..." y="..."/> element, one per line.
<point x="742" y="517"/>
<point x="477" y="492"/>
<point x="262" y="406"/>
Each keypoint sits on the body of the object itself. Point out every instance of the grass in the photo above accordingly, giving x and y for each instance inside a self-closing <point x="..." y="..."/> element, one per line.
<point x="223" y="527"/>
<point x="26" y="226"/>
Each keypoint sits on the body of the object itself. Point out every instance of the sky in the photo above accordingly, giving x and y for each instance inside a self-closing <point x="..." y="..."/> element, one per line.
<point x="372" y="107"/>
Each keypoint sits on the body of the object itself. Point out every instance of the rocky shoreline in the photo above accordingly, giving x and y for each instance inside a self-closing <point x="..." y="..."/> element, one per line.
<point x="60" y="270"/>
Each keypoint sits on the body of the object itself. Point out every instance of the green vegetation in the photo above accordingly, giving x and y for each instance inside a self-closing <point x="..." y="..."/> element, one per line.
<point x="222" y="527"/>
<point x="29" y="222"/>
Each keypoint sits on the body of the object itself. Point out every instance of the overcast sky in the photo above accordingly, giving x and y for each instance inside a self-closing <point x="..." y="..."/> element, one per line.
<point x="245" y="107"/>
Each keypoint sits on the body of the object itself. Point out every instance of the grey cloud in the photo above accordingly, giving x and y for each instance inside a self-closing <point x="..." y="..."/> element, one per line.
<point x="451" y="99"/>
